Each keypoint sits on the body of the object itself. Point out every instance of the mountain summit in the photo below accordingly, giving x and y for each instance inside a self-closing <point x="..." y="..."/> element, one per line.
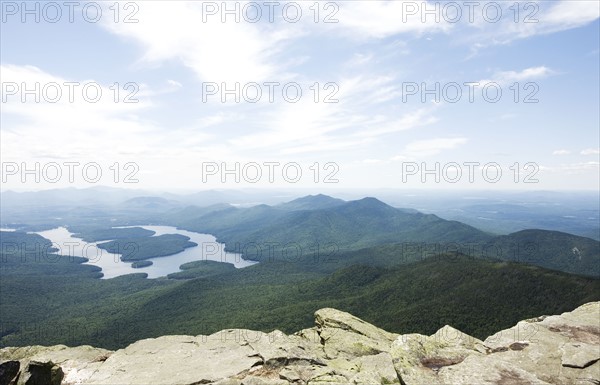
<point x="312" y="202"/>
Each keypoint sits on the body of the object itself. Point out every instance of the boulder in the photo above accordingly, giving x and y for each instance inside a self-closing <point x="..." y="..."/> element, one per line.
<point x="562" y="349"/>
<point x="76" y="364"/>
<point x="339" y="350"/>
<point x="343" y="334"/>
<point x="9" y="372"/>
<point x="418" y="359"/>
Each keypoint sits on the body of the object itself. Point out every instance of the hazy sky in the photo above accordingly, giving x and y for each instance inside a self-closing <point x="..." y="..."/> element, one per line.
<point x="362" y="118"/>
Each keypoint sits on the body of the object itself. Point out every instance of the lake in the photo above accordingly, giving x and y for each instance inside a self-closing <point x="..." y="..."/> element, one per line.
<point x="112" y="266"/>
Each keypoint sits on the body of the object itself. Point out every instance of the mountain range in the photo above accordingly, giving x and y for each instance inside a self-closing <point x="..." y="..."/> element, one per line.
<point x="400" y="268"/>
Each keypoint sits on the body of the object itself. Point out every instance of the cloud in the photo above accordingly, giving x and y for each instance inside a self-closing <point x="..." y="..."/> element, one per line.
<point x="432" y="146"/>
<point x="215" y="51"/>
<point x="382" y="19"/>
<point x="590" y="151"/>
<point x="528" y="74"/>
<point x="174" y="84"/>
<point x="568" y="14"/>
<point x="105" y="131"/>
<point x="572" y="167"/>
<point x="372" y="161"/>
<point x="534" y="18"/>
<point x="354" y="121"/>
<point x="561" y="152"/>
<point x="418" y="118"/>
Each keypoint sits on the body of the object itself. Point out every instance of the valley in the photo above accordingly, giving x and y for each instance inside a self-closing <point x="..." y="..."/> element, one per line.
<point x="398" y="268"/>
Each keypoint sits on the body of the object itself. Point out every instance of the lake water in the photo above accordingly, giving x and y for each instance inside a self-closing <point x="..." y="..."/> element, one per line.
<point x="112" y="266"/>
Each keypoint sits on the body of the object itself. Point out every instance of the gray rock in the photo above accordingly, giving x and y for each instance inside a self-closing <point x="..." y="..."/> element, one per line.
<point x="178" y="360"/>
<point x="418" y="359"/>
<point x="343" y="334"/>
<point x="41" y="373"/>
<point x="579" y="355"/>
<point x="77" y="363"/>
<point x="562" y="349"/>
<point x="9" y="371"/>
<point x="340" y="349"/>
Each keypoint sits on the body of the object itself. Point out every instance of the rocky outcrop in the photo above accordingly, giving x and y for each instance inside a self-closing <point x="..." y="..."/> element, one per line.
<point x="339" y="349"/>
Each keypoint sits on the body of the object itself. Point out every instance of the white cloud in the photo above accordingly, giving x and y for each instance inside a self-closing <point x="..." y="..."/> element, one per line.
<point x="309" y="127"/>
<point x="105" y="132"/>
<point x="66" y="128"/>
<point x="381" y="19"/>
<point x="418" y="118"/>
<point x="432" y="146"/>
<point x="174" y="83"/>
<point x="572" y="167"/>
<point x="561" y="152"/>
<point x="215" y="51"/>
<point x="534" y="18"/>
<point x="528" y="74"/>
<point x="569" y="14"/>
<point x="590" y="151"/>
<point x="372" y="161"/>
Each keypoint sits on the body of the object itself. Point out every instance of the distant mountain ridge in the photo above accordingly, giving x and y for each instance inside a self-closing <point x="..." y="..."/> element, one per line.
<point x="369" y="222"/>
<point x="318" y="222"/>
<point x="325" y="220"/>
<point x="311" y="202"/>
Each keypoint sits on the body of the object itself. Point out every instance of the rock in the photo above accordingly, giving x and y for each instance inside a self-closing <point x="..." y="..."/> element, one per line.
<point x="41" y="373"/>
<point x="418" y="359"/>
<point x="340" y="350"/>
<point x="559" y="349"/>
<point x="485" y="370"/>
<point x="8" y="372"/>
<point x="178" y="360"/>
<point x="251" y="380"/>
<point x="376" y="369"/>
<point x="562" y="349"/>
<point x="77" y="363"/>
<point x="579" y="355"/>
<point x="344" y="334"/>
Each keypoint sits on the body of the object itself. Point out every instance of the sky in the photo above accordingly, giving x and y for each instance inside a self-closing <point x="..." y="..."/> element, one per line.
<point x="343" y="94"/>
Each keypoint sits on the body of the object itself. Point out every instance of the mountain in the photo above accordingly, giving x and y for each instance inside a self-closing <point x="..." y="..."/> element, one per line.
<point x="347" y="225"/>
<point x="550" y="249"/>
<point x="311" y="202"/>
<point x="65" y="298"/>
<point x="263" y="231"/>
<point x="339" y="349"/>
<point x="494" y="212"/>
<point x="68" y="196"/>
<point x="398" y="268"/>
<point x="151" y="203"/>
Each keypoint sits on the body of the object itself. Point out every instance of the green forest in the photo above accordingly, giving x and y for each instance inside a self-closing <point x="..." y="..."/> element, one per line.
<point x="62" y="301"/>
